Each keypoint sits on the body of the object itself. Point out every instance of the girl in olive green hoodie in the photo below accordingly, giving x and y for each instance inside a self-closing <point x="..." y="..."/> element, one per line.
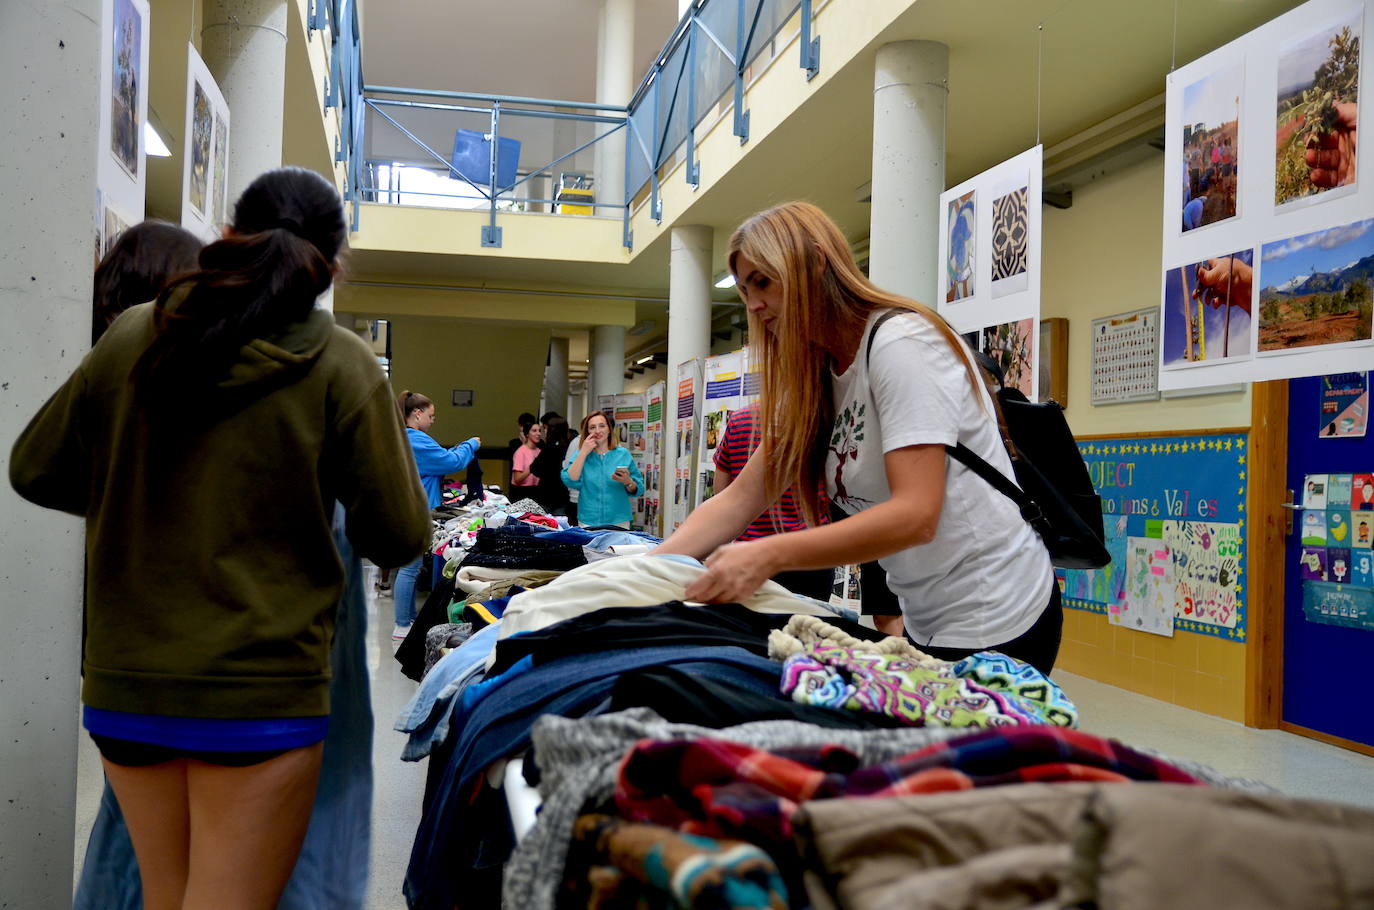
<point x="205" y="439"/>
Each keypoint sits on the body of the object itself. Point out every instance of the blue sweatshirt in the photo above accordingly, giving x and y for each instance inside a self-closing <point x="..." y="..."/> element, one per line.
<point x="436" y="462"/>
<point x="603" y="501"/>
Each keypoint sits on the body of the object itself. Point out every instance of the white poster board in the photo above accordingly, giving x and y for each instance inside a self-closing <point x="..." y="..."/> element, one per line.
<point x="989" y="286"/>
<point x="724" y="384"/>
<point x="629" y="428"/>
<point x="205" y="166"/>
<point x="688" y="443"/>
<point x="1269" y="258"/>
<point x="653" y="460"/>
<point x="122" y="168"/>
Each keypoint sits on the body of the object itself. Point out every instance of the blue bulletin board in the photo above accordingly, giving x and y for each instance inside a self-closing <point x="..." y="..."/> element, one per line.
<point x="1174" y="513"/>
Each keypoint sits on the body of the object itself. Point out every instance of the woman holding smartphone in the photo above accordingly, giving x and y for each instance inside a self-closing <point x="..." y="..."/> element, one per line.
<point x="604" y="473"/>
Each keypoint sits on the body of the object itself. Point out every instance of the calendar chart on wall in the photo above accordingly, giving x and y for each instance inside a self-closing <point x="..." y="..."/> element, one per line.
<point x="1125" y="354"/>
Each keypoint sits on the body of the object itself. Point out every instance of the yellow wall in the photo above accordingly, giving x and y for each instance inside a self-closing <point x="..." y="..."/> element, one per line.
<point x="503" y="366"/>
<point x="1101" y="257"/>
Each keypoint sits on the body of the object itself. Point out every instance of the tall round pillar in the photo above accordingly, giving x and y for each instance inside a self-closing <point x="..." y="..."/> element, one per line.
<point x="556" y="377"/>
<point x="50" y="107"/>
<point x="244" y="45"/>
<point x="910" y="93"/>
<point x="689" y="327"/>
<point x="608" y="360"/>
<point x="615" y="80"/>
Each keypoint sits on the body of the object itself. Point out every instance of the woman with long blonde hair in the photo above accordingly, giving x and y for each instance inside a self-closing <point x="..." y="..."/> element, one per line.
<point x="862" y="391"/>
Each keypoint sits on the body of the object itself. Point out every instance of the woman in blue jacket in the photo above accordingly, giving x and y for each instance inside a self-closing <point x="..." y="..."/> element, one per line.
<point x="434" y="463"/>
<point x="605" y="474"/>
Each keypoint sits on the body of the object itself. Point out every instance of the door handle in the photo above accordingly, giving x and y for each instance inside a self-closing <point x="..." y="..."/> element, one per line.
<point x="1290" y="507"/>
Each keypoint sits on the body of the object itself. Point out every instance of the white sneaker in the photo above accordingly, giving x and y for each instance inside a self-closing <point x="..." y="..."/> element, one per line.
<point x="400" y="632"/>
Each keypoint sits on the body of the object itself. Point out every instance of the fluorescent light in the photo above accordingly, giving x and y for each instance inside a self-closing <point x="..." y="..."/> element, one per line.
<point x="728" y="281"/>
<point x="156" y="147"/>
<point x="644" y="360"/>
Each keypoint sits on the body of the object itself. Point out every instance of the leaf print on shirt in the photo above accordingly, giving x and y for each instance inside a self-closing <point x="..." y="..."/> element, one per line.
<point x="844" y="443"/>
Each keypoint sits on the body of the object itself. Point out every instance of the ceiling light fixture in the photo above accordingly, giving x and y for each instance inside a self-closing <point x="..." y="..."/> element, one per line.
<point x="644" y="359"/>
<point x="726" y="281"/>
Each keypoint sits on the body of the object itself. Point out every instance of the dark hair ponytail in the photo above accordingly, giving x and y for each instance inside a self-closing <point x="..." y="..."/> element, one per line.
<point x="410" y="402"/>
<point x="288" y="230"/>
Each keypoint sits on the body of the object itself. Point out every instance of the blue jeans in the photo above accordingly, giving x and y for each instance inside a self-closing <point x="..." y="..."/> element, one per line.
<point x="403" y="591"/>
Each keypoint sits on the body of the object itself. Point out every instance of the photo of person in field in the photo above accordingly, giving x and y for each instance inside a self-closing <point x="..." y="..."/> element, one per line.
<point x="1211" y="160"/>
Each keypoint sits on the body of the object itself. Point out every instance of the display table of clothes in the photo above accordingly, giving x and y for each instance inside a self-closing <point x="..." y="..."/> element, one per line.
<point x="777" y="754"/>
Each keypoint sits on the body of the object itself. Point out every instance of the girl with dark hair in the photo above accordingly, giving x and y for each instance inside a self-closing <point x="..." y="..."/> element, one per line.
<point x="206" y="439"/>
<point x="866" y="407"/>
<point x="142" y="261"/>
<point x="434" y="463"/>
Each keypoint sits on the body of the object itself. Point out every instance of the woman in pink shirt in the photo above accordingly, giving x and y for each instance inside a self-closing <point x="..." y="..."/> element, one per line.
<point x="521" y="475"/>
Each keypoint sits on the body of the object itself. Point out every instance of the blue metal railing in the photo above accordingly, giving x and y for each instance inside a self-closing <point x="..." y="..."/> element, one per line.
<point x="708" y="54"/>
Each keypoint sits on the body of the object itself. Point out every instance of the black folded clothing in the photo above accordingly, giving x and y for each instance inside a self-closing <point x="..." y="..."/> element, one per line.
<point x="512" y="548"/>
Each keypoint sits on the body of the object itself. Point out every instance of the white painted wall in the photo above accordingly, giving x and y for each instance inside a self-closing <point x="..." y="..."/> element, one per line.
<point x="47" y="248"/>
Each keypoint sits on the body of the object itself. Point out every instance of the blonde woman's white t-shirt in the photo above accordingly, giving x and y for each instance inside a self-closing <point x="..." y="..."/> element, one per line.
<point x="985" y="577"/>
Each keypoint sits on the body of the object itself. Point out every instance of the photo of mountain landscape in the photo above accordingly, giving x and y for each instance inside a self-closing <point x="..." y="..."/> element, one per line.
<point x="1316" y="288"/>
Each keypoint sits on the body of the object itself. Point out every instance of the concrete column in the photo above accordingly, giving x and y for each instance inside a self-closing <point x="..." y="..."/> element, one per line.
<point x="615" y="81"/>
<point x="244" y="45"/>
<point x="910" y="92"/>
<point x="50" y="108"/>
<point x="689" y="324"/>
<point x="556" y="377"/>
<point x="608" y="360"/>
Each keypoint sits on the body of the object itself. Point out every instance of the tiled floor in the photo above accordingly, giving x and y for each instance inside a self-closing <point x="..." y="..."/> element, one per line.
<point x="1293" y="764"/>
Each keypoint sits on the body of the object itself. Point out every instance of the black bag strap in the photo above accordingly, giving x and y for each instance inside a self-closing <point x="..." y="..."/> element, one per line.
<point x="970" y="459"/>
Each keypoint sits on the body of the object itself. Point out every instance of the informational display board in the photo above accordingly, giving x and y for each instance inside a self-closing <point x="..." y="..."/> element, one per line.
<point x="1126" y="357"/>
<point x="689" y="392"/>
<point x="724" y="386"/>
<point x="205" y="166"/>
<point x="1174" y="515"/>
<point x="1344" y="405"/>
<point x="1268" y="237"/>
<point x="653" y="460"/>
<point x="122" y="159"/>
<point x="629" y="412"/>
<point x="990" y="256"/>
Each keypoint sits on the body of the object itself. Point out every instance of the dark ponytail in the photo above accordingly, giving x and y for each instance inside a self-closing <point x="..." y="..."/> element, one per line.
<point x="410" y="402"/>
<point x="287" y="233"/>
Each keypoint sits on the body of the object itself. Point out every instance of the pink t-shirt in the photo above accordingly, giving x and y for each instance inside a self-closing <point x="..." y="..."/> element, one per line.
<point x="524" y="457"/>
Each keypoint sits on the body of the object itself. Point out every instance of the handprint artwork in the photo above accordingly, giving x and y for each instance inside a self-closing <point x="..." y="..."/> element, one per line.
<point x="1206" y="568"/>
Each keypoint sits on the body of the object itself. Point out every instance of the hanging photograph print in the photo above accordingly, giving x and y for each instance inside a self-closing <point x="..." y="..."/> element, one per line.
<point x="1293" y="87"/>
<point x="1316" y="288"/>
<point x="115" y="226"/>
<point x="202" y="124"/>
<point x="1010" y="237"/>
<point x="126" y="75"/>
<point x="220" y="189"/>
<point x="1211" y="118"/>
<point x="1207" y="309"/>
<point x="1318" y="100"/>
<point x="1344" y="404"/>
<point x="1013" y="346"/>
<point x="961" y="231"/>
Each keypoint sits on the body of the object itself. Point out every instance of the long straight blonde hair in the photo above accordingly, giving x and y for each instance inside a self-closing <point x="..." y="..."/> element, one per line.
<point x="824" y="295"/>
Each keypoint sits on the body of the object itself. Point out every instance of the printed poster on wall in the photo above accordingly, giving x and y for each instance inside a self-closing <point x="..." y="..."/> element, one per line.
<point x="1344" y="405"/>
<point x="723" y="395"/>
<point x="1268" y="241"/>
<point x="205" y="162"/>
<point x="628" y="410"/>
<point x="653" y="460"/>
<point x="122" y="163"/>
<point x="990" y="265"/>
<point x="1179" y="499"/>
<point x="688" y="443"/>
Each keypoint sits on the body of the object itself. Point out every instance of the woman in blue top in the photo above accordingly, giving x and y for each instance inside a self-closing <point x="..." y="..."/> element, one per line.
<point x="434" y="463"/>
<point x="605" y="474"/>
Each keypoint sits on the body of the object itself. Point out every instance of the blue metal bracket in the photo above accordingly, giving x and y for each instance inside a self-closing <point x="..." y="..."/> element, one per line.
<point x="810" y="47"/>
<point x="692" y="169"/>
<point x="741" y="48"/>
<point x="491" y="235"/>
<point x="339" y="148"/>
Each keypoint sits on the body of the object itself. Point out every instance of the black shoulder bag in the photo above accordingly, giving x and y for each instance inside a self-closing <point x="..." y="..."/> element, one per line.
<point x="1053" y="490"/>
